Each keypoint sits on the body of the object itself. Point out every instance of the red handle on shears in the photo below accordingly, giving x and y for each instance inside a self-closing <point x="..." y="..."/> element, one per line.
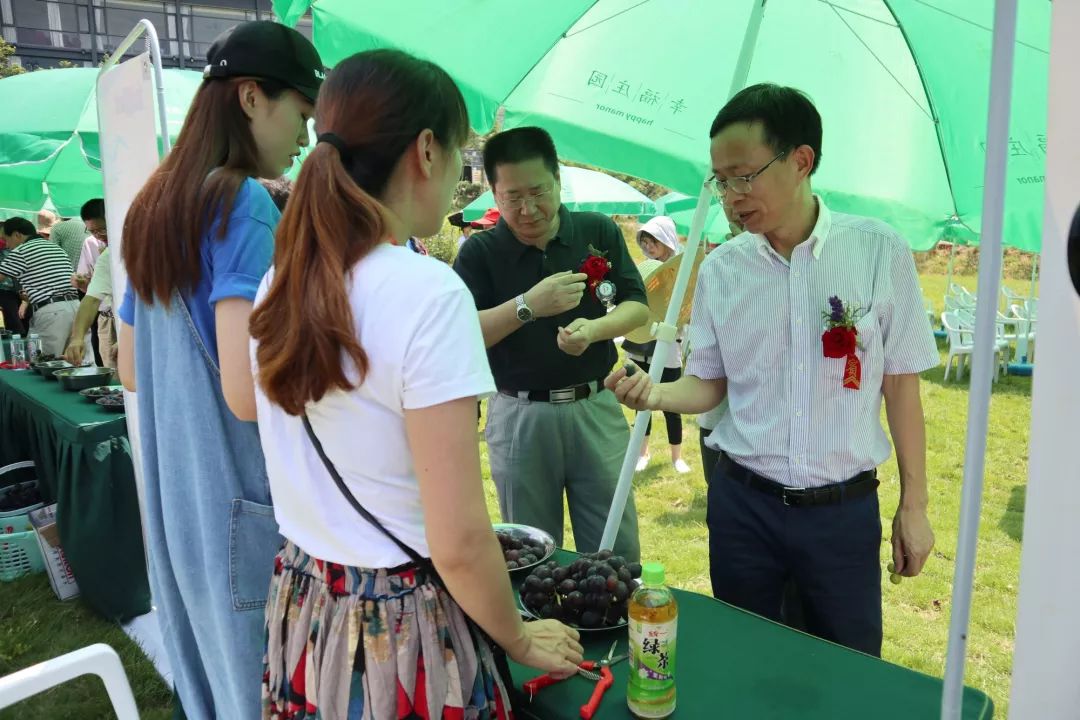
<point x="606" y="679"/>
<point x="539" y="683"/>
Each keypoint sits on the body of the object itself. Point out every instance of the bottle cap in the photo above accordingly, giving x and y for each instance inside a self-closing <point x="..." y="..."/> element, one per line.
<point x="652" y="573"/>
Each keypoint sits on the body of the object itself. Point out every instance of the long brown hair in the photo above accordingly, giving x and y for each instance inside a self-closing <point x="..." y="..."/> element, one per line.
<point x="376" y="103"/>
<point x="197" y="181"/>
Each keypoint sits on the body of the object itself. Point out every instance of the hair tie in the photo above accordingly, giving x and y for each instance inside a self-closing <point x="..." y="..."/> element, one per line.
<point x="331" y="139"/>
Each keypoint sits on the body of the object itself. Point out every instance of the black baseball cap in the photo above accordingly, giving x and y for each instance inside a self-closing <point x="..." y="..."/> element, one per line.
<point x="270" y="50"/>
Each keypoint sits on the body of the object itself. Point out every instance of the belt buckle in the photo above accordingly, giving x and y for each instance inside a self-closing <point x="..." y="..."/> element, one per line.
<point x="784" y="497"/>
<point x="566" y="395"/>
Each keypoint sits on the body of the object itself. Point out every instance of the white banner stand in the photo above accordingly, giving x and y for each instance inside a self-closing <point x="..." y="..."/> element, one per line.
<point x="129" y="155"/>
<point x="1047" y="652"/>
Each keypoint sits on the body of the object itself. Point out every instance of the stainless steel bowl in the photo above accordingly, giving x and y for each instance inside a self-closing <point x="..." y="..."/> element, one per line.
<point x="48" y="369"/>
<point x="520" y="532"/>
<point x="80" y="378"/>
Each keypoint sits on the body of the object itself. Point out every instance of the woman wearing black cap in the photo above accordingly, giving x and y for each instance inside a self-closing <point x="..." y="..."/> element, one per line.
<point x="197" y="240"/>
<point x="369" y="362"/>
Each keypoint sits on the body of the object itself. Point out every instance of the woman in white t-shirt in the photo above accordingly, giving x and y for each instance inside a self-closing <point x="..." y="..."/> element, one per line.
<point x="659" y="242"/>
<point x="369" y="361"/>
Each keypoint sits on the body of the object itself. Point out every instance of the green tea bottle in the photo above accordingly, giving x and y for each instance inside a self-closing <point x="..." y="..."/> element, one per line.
<point x="654" y="618"/>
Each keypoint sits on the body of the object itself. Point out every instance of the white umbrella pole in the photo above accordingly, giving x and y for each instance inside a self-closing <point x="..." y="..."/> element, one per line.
<point x="948" y="273"/>
<point x="666" y="333"/>
<point x="1034" y="274"/>
<point x="983" y="367"/>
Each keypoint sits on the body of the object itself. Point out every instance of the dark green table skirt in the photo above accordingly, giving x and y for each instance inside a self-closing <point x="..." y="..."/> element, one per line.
<point x="732" y="664"/>
<point x="83" y="461"/>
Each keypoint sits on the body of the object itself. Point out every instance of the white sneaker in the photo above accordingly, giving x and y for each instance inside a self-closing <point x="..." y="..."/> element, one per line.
<point x="681" y="467"/>
<point x="642" y="463"/>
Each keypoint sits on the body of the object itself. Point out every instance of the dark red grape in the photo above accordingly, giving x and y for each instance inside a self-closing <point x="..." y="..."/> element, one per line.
<point x="542" y="572"/>
<point x="513" y="555"/>
<point x="511" y="565"/>
<point x="622" y="592"/>
<point x="635" y="570"/>
<point x="550" y="611"/>
<point x="536" y="600"/>
<point x="574" y="600"/>
<point x="548" y="585"/>
<point x="604" y="555"/>
<point x="590" y="619"/>
<point x="567" y="586"/>
<point x="532" y="583"/>
<point x="615" y="563"/>
<point x="625" y="576"/>
<point x="612" y="583"/>
<point x="560" y="574"/>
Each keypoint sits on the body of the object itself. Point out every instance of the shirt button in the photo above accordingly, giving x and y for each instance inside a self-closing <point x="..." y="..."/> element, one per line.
<point x="798" y="321"/>
<point x="798" y="413"/>
<point x="797" y="273"/>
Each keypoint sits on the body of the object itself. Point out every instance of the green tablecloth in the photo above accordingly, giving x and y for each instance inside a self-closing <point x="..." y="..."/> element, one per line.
<point x="732" y="664"/>
<point x="83" y="462"/>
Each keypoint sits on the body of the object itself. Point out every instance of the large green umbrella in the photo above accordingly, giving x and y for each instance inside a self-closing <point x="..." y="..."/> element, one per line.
<point x="49" y="141"/>
<point x="582" y="189"/>
<point x="633" y="86"/>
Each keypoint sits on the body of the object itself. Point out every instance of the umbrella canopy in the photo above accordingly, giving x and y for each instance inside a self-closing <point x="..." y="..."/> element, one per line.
<point x="49" y="146"/>
<point x="902" y="86"/>
<point x="583" y="190"/>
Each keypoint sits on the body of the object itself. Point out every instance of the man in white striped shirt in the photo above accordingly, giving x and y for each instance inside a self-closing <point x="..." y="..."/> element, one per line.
<point x="794" y="494"/>
<point x="43" y="271"/>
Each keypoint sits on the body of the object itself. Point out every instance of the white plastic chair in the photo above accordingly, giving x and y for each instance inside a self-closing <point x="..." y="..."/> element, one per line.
<point x="961" y="343"/>
<point x="99" y="659"/>
<point x="966" y="320"/>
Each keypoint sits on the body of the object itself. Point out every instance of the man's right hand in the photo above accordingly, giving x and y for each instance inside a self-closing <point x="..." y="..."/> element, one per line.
<point x="636" y="391"/>
<point x="75" y="351"/>
<point x="556" y="294"/>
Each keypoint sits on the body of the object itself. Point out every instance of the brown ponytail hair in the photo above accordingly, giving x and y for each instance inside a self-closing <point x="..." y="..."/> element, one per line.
<point x="198" y="181"/>
<point x="376" y="103"/>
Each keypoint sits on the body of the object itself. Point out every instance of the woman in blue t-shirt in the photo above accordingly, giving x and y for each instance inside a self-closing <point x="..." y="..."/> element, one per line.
<point x="197" y="240"/>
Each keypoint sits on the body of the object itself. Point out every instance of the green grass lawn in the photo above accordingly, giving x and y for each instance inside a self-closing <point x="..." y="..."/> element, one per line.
<point x="34" y="626"/>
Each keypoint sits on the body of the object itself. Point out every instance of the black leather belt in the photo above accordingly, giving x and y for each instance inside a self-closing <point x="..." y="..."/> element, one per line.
<point x="562" y="395"/>
<point x="859" y="486"/>
<point x="63" y="297"/>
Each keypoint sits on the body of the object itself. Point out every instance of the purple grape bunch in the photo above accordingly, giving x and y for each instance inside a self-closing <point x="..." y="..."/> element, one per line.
<point x="590" y="593"/>
<point x="522" y="551"/>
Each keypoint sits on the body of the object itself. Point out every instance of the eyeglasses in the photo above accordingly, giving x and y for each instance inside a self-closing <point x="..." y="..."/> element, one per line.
<point x="516" y="202"/>
<point x="100" y="234"/>
<point x="740" y="185"/>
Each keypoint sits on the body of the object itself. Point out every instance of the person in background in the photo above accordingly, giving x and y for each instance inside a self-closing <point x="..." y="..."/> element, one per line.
<point x="659" y="242"/>
<point x="10" y="298"/>
<point x="369" y="359"/>
<point x="41" y="268"/>
<point x="46" y="219"/>
<point x="552" y="429"/>
<point x="192" y="277"/>
<point x="457" y="220"/>
<point x="103" y="330"/>
<point x="98" y="295"/>
<point x="279" y="189"/>
<point x="70" y="235"/>
<point x="794" y="494"/>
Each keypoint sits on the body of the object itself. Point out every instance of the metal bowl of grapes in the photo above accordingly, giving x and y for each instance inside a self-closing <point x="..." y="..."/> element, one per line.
<point x="80" y="378"/>
<point x="590" y="594"/>
<point x="94" y="393"/>
<point x="112" y="403"/>
<point x="523" y="546"/>
<point x="47" y="368"/>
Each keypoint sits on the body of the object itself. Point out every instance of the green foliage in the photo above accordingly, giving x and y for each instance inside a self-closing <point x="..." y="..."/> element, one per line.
<point x="8" y="67"/>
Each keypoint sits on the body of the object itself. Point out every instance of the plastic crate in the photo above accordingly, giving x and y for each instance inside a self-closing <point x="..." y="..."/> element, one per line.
<point x="20" y="553"/>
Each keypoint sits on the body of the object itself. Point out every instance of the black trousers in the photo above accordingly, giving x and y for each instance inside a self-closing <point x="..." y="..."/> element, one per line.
<point x="831" y="552"/>
<point x="672" y="420"/>
<point x="9" y="308"/>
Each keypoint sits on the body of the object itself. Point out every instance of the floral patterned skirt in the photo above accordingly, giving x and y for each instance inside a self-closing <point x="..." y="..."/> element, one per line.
<point x="356" y="644"/>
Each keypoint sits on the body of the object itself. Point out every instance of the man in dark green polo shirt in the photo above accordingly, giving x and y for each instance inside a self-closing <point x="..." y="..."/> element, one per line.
<point x="552" y="427"/>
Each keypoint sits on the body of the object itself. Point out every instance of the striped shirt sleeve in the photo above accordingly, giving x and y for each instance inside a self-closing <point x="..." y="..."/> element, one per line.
<point x="907" y="336"/>
<point x="14" y="264"/>
<point x="705" y="360"/>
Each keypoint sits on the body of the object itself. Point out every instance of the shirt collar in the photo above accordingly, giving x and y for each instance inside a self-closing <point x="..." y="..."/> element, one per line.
<point x="817" y="238"/>
<point x="565" y="236"/>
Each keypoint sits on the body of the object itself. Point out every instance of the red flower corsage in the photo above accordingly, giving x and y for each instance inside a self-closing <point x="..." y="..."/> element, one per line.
<point x="840" y="340"/>
<point x="596" y="267"/>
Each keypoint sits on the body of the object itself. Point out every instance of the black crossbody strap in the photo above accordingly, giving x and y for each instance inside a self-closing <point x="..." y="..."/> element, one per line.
<point x="413" y="555"/>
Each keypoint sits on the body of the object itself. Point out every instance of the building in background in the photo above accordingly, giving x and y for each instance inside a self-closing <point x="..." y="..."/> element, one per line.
<point x="47" y="33"/>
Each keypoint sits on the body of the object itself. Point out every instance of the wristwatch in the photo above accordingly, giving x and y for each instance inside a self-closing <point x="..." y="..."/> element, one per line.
<point x="524" y="312"/>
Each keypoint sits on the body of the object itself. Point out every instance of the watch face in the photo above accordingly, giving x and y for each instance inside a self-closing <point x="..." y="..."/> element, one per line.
<point x="524" y="314"/>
